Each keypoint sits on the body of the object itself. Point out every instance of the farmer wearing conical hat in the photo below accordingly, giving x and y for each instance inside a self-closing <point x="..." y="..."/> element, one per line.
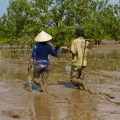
<point x="40" y="54"/>
<point x="79" y="50"/>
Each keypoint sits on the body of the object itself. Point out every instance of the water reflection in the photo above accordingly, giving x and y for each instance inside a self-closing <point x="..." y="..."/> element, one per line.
<point x="39" y="106"/>
<point x="42" y="107"/>
<point x="82" y="102"/>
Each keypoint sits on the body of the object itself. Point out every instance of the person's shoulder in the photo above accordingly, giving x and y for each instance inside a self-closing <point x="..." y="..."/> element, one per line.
<point x="75" y="40"/>
<point x="78" y="39"/>
<point x="81" y="38"/>
<point x="49" y="46"/>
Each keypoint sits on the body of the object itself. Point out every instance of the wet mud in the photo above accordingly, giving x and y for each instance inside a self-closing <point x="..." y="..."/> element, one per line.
<point x="63" y="101"/>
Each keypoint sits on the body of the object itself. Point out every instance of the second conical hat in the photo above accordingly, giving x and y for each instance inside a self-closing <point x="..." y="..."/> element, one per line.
<point x="43" y="37"/>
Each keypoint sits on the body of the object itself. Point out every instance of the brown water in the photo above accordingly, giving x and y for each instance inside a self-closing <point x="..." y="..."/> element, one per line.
<point x="64" y="101"/>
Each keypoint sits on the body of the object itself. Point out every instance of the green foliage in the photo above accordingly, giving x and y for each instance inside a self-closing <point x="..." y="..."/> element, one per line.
<point x="102" y="22"/>
<point x="4" y="41"/>
<point x="26" y="18"/>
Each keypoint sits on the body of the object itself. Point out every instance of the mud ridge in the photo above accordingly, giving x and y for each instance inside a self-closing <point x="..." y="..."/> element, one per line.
<point x="108" y="97"/>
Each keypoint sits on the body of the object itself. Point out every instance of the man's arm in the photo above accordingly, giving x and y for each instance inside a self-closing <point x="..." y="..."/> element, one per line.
<point x="67" y="49"/>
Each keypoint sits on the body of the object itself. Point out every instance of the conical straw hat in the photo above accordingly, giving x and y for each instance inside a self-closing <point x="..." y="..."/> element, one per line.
<point x="43" y="37"/>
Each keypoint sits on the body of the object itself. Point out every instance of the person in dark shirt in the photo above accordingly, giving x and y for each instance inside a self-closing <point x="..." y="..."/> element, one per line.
<point x="40" y="59"/>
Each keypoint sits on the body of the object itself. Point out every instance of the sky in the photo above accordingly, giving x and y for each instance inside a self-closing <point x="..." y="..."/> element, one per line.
<point x="5" y="3"/>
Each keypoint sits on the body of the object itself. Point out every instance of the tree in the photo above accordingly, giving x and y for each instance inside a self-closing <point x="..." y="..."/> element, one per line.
<point x="66" y="16"/>
<point x="3" y="30"/>
<point x="102" y="22"/>
<point x="26" y="18"/>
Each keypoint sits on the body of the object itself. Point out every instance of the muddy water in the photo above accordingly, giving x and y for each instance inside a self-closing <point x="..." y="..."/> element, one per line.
<point x="64" y="101"/>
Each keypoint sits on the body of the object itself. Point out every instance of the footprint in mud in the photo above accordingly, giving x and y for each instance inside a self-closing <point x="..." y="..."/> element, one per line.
<point x="12" y="113"/>
<point x="75" y="105"/>
<point x="67" y="100"/>
<point x="54" y="95"/>
<point x="109" y="98"/>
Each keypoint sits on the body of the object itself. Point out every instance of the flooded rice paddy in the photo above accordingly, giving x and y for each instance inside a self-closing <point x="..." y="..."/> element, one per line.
<point x="14" y="63"/>
<point x="64" y="101"/>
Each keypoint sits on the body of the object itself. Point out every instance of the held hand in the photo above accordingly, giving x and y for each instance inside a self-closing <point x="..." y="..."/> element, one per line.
<point x="64" y="47"/>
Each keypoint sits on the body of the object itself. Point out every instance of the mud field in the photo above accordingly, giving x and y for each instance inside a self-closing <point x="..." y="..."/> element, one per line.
<point x="63" y="101"/>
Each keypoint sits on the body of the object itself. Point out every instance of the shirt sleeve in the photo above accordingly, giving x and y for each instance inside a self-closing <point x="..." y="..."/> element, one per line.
<point x="54" y="52"/>
<point x="73" y="48"/>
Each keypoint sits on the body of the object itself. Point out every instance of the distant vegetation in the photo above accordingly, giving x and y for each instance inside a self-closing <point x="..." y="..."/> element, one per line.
<point x="26" y="18"/>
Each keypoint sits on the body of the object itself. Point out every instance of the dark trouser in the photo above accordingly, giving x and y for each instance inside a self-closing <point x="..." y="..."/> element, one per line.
<point x="77" y="77"/>
<point x="42" y="72"/>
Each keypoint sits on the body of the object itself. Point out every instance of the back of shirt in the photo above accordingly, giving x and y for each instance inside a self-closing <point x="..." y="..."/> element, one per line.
<point x="79" y="51"/>
<point x="41" y="52"/>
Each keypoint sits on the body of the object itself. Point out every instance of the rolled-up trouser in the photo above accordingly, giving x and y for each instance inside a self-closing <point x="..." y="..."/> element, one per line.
<point x="40" y="77"/>
<point x="77" y="76"/>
